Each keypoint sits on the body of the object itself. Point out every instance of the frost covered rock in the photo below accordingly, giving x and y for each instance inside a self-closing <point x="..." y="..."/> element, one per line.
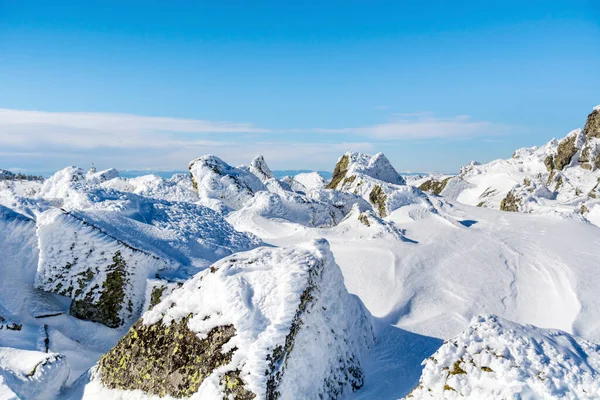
<point x="371" y="177"/>
<point x="31" y="375"/>
<point x="213" y="178"/>
<point x="104" y="276"/>
<point x="310" y="180"/>
<point x="259" y="167"/>
<point x="560" y="178"/>
<point x="367" y="225"/>
<point x="498" y="359"/>
<point x="102" y="176"/>
<point x="266" y="324"/>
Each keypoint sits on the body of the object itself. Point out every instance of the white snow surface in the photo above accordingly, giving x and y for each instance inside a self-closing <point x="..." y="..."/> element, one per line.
<point x="259" y="293"/>
<point x="498" y="359"/>
<point x="31" y="375"/>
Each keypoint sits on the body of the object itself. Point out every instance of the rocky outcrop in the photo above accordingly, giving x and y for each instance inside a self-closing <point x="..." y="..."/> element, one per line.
<point x="270" y="323"/>
<point x="434" y="186"/>
<point x="498" y="359"/>
<point x="104" y="276"/>
<point x="510" y="203"/>
<point x="259" y="167"/>
<point x="592" y="125"/>
<point x="371" y="177"/>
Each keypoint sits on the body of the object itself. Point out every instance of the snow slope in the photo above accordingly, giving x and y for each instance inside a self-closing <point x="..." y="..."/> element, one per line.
<point x="498" y="359"/>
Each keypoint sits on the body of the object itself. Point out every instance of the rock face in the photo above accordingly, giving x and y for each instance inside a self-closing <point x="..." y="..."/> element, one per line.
<point x="266" y="324"/>
<point x="371" y="177"/>
<point x="105" y="277"/>
<point x="498" y="359"/>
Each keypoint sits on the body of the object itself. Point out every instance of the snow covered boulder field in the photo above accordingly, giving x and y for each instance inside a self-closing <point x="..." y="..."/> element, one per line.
<point x="228" y="282"/>
<point x="266" y="324"/>
<point x="498" y="359"/>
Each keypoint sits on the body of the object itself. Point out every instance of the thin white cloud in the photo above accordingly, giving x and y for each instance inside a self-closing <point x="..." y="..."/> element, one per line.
<point x="424" y="126"/>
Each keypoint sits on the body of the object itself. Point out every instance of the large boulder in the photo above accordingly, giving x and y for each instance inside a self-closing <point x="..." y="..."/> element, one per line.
<point x="498" y="359"/>
<point x="266" y="324"/>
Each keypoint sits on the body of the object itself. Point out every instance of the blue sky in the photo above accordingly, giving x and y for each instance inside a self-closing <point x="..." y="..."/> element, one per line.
<point x="155" y="84"/>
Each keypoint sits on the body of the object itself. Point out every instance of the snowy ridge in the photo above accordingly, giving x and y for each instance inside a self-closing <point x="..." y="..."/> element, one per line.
<point x="291" y="315"/>
<point x="560" y="178"/>
<point x="498" y="359"/>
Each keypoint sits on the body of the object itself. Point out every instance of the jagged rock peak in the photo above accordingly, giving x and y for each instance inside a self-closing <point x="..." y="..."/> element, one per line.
<point x="259" y="167"/>
<point x="592" y="125"/>
<point x="266" y="324"/>
<point x="377" y="167"/>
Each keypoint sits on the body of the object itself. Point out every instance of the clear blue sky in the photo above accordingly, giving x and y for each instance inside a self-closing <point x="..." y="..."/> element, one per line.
<point x="431" y="84"/>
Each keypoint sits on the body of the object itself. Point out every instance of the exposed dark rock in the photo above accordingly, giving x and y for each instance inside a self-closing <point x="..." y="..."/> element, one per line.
<point x="592" y="125"/>
<point x="339" y="173"/>
<point x="378" y="198"/>
<point x="434" y="186"/>
<point x="566" y="151"/>
<point x="107" y="309"/>
<point x="165" y="359"/>
<point x="510" y="203"/>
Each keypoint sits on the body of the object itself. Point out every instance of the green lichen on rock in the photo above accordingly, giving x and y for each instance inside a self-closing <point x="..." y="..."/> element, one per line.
<point x="165" y="360"/>
<point x="278" y="358"/>
<point x="156" y="295"/>
<point x="339" y="173"/>
<point x="592" y="125"/>
<point x="364" y="219"/>
<point x="565" y="152"/>
<point x="378" y="198"/>
<point x="434" y="186"/>
<point x="510" y="202"/>
<point x="234" y="387"/>
<point x="108" y="308"/>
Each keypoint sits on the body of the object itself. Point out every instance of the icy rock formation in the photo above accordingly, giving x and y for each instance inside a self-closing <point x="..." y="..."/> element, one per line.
<point x="371" y="177"/>
<point x="213" y="178"/>
<point x="310" y="180"/>
<point x="498" y="359"/>
<point x="31" y="375"/>
<point x="105" y="277"/>
<point x="102" y="176"/>
<point x="266" y="324"/>
<point x="562" y="177"/>
<point x="239" y="190"/>
<point x="259" y="167"/>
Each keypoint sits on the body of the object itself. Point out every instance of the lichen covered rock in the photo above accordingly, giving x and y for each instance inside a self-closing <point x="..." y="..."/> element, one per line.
<point x="510" y="203"/>
<point x="105" y="277"/>
<point x="266" y="324"/>
<point x="434" y="186"/>
<point x="498" y="359"/>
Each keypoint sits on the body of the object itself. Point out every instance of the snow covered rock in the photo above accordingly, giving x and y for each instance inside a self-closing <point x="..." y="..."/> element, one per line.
<point x="310" y="180"/>
<point x="371" y="177"/>
<point x="498" y="359"/>
<point x="31" y="375"/>
<point x="266" y="324"/>
<point x="259" y="167"/>
<point x="214" y="179"/>
<point x="560" y="178"/>
<point x="367" y="225"/>
<point x="104" y="276"/>
<point x="102" y="176"/>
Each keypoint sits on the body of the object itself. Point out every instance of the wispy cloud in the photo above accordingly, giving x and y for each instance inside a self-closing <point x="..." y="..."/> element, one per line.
<point x="424" y="126"/>
<point x="134" y="141"/>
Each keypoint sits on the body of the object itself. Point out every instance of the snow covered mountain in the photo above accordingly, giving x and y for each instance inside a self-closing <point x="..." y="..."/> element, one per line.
<point x="561" y="178"/>
<point x="229" y="282"/>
